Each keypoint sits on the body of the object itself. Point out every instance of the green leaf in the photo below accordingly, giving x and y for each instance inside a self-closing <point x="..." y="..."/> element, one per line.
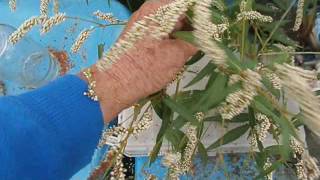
<point x="243" y="117"/>
<point x="185" y="113"/>
<point x="185" y="35"/>
<point x="203" y="73"/>
<point x="174" y="136"/>
<point x="188" y="98"/>
<point x="165" y="114"/>
<point x="230" y="136"/>
<point x="100" y="50"/>
<point x="280" y="4"/>
<point x="214" y="95"/>
<point x="203" y="153"/>
<point x="274" y="150"/>
<point x="195" y="58"/>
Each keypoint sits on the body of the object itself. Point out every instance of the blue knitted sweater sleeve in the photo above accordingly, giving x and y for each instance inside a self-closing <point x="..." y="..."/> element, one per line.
<point x="49" y="133"/>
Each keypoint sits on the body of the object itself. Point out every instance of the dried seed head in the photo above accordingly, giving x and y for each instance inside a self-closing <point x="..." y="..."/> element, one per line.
<point x="44" y="6"/>
<point x="24" y="28"/>
<point x="56" y="6"/>
<point x="83" y="36"/>
<point x="53" y="21"/>
<point x="13" y="5"/>
<point x="106" y="16"/>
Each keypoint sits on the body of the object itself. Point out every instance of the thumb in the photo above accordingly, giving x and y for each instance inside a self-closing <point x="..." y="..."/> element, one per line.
<point x="187" y="48"/>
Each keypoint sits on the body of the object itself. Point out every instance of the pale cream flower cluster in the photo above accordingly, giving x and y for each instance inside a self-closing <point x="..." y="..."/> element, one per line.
<point x="203" y="33"/>
<point x="260" y="130"/>
<point x="118" y="171"/>
<point x="219" y="5"/>
<point x="233" y="79"/>
<point x="120" y="132"/>
<point x="307" y="168"/>
<point x="106" y="17"/>
<point x="246" y="14"/>
<point x="143" y="125"/>
<point x="299" y="15"/>
<point x="152" y="24"/>
<point x="267" y="165"/>
<point x="262" y="127"/>
<point x="238" y="101"/>
<point x="164" y="20"/>
<point x="296" y="147"/>
<point x="200" y="116"/>
<point x="274" y="79"/>
<point x="83" y="36"/>
<point x="179" y="164"/>
<point x="254" y="15"/>
<point x="295" y="82"/>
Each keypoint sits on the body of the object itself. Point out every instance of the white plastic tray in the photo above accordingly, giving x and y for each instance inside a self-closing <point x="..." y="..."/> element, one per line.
<point x="143" y="144"/>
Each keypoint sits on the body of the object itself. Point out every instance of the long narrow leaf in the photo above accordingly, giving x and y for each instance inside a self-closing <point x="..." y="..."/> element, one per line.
<point x="230" y="136"/>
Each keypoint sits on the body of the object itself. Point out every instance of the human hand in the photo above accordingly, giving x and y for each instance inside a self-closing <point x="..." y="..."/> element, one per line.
<point x="143" y="70"/>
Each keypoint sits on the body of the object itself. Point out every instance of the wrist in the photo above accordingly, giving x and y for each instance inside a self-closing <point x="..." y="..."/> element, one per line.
<point x="112" y="93"/>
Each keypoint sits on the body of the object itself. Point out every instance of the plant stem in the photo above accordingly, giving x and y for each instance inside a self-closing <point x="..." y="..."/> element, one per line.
<point x="243" y="39"/>
<point x="278" y="25"/>
<point x="293" y="53"/>
<point x="96" y="23"/>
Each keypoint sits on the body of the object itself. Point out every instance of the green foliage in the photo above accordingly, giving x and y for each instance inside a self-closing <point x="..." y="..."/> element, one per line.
<point x="230" y="136"/>
<point x="246" y="44"/>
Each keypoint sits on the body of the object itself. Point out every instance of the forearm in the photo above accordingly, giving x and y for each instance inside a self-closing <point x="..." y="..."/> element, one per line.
<point x="49" y="133"/>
